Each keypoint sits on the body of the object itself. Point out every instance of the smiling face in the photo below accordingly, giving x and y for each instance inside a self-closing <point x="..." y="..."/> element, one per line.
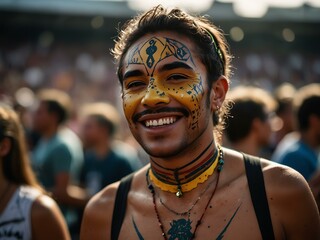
<point x="165" y="94"/>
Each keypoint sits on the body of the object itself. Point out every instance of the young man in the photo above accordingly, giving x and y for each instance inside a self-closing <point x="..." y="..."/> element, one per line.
<point x="173" y="69"/>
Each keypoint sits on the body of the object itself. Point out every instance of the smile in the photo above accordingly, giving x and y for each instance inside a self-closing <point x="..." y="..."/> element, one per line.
<point x="160" y="121"/>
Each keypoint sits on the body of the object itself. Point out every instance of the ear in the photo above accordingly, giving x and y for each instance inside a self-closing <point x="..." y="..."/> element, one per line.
<point x="5" y="147"/>
<point x="218" y="93"/>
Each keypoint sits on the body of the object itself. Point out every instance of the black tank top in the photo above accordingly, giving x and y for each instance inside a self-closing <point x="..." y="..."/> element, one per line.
<point x="256" y="188"/>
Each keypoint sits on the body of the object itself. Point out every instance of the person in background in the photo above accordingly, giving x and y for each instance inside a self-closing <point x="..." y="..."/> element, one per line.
<point x="106" y="160"/>
<point x="249" y="124"/>
<point x="300" y="150"/>
<point x="26" y="212"/>
<point x="58" y="156"/>
<point x="302" y="153"/>
<point x="283" y="94"/>
<point x="173" y="69"/>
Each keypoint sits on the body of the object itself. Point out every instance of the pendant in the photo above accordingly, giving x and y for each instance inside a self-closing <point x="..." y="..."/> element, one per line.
<point x="179" y="193"/>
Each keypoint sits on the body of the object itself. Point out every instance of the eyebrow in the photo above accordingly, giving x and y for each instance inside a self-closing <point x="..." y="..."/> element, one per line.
<point x="174" y="65"/>
<point x="134" y="73"/>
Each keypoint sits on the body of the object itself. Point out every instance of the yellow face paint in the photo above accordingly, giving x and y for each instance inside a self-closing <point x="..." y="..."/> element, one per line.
<point x="157" y="71"/>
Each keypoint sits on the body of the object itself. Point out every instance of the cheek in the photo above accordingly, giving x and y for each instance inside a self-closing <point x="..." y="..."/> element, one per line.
<point x="130" y="104"/>
<point x="191" y="96"/>
<point x="188" y="94"/>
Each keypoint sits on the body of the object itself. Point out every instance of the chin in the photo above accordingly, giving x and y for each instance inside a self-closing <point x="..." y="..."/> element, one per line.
<point x="164" y="149"/>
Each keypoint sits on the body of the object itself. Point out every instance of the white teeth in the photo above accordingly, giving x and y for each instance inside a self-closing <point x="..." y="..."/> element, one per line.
<point x="160" y="122"/>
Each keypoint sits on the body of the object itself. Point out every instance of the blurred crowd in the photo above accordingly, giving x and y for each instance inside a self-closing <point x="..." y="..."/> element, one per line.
<point x="67" y="100"/>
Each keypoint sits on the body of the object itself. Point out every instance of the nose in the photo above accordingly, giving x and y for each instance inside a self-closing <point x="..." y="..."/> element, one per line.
<point x="155" y="95"/>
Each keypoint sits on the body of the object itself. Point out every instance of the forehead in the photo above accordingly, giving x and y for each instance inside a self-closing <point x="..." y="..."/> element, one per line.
<point x="152" y="50"/>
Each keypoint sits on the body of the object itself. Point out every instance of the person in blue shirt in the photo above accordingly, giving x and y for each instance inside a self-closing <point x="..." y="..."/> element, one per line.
<point x="302" y="153"/>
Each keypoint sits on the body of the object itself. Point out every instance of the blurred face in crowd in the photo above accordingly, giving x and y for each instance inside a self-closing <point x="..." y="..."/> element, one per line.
<point x="92" y="132"/>
<point x="265" y="129"/>
<point x="316" y="124"/>
<point x="165" y="93"/>
<point x="42" y="118"/>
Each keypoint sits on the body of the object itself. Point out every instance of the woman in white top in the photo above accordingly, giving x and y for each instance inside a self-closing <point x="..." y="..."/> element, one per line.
<point x="25" y="211"/>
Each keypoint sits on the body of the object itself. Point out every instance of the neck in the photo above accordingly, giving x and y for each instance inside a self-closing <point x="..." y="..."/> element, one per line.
<point x="187" y="172"/>
<point x="188" y="176"/>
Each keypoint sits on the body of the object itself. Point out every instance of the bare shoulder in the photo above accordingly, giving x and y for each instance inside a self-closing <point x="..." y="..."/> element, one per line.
<point x="291" y="202"/>
<point x="44" y="210"/>
<point x="292" y="207"/>
<point x="97" y="218"/>
<point x="283" y="180"/>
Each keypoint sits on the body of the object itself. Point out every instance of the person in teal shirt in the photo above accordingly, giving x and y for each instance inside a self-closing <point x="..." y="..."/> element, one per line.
<point x="106" y="160"/>
<point x="58" y="157"/>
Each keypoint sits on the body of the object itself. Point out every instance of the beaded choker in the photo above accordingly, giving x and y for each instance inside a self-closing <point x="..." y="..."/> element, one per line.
<point x="200" y="173"/>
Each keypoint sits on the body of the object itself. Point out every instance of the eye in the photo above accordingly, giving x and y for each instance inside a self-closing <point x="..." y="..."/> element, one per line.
<point x="135" y="84"/>
<point x="177" y="77"/>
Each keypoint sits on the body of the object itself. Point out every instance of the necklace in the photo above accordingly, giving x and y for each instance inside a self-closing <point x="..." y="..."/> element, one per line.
<point x="206" y="169"/>
<point x="192" y="206"/>
<point x="185" y="176"/>
<point x="188" y="164"/>
<point x="219" y="169"/>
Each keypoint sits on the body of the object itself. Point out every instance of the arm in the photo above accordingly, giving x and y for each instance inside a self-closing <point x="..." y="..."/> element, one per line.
<point x="97" y="218"/>
<point x="293" y="204"/>
<point x="47" y="221"/>
<point x="68" y="194"/>
<point x="62" y="191"/>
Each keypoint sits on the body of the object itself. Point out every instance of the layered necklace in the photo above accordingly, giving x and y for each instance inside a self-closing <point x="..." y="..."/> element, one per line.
<point x="217" y="163"/>
<point x="184" y="179"/>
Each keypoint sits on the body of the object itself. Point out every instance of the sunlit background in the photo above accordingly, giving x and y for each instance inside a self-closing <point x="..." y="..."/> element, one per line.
<point x="65" y="44"/>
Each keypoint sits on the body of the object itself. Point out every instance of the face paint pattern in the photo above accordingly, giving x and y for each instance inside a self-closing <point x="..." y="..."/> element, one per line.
<point x="156" y="49"/>
<point x="183" y="84"/>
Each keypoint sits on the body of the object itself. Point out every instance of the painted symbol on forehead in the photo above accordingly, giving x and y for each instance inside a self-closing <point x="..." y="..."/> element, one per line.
<point x="150" y="51"/>
<point x="155" y="49"/>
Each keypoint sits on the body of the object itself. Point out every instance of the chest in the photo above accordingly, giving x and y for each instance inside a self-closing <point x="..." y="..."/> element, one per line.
<point x="226" y="217"/>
